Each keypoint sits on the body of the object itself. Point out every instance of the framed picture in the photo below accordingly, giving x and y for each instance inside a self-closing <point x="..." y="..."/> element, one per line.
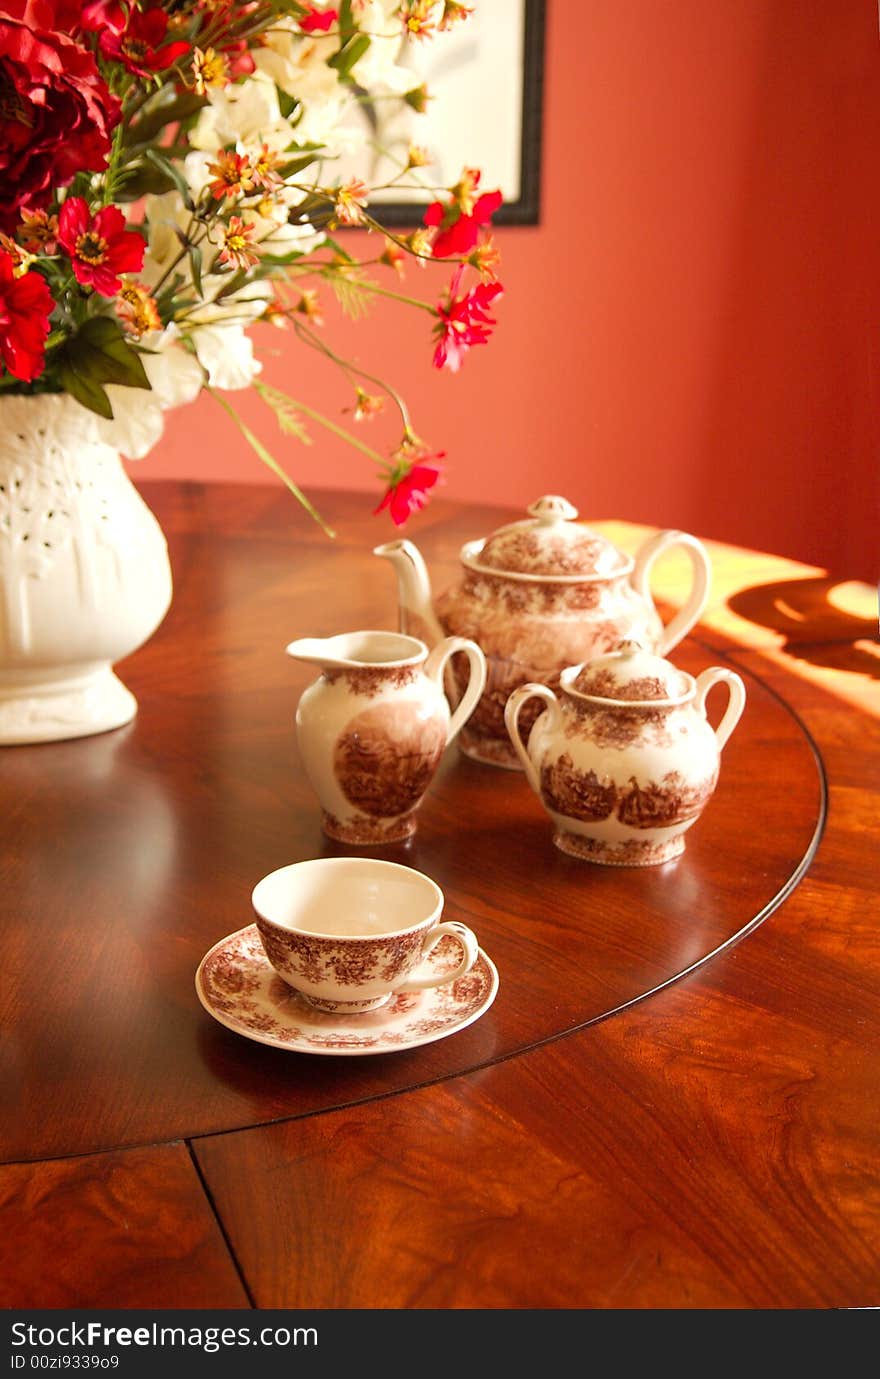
<point x="485" y="81"/>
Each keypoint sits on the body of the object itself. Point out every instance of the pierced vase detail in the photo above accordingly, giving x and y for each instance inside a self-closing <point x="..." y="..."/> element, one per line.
<point x="84" y="573"/>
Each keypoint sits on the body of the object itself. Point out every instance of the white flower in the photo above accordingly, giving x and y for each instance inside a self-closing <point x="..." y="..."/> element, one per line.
<point x="247" y="114"/>
<point x="298" y="63"/>
<point x="378" y="67"/>
<point x="227" y="354"/>
<point x="175" y="378"/>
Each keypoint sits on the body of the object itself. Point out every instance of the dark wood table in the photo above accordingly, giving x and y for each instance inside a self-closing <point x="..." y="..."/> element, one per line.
<point x="652" y="1114"/>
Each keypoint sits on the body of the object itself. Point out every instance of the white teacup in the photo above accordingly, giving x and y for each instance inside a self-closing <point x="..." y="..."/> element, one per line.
<point x="348" y="932"/>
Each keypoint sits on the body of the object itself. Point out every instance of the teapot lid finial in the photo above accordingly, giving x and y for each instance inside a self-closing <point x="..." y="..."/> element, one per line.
<point x="552" y="509"/>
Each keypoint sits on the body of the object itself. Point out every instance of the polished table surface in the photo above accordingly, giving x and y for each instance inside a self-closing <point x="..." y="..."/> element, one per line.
<point x="652" y="1114"/>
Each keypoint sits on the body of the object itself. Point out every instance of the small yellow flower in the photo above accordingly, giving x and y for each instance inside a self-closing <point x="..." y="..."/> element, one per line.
<point x="137" y="310"/>
<point x="237" y="249"/>
<point x="309" y="305"/>
<point x="417" y="18"/>
<point x="368" y="405"/>
<point x="351" y="198"/>
<point x="485" y="259"/>
<point x="417" y="157"/>
<point x="209" y="68"/>
<point x="464" y="193"/>
<point x="453" y="13"/>
<point x="420" y="245"/>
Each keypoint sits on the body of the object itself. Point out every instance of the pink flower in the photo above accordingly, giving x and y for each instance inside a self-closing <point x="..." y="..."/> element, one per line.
<point x="318" y="21"/>
<point x="415" y="472"/>
<point x="100" y="247"/>
<point x="464" y="321"/>
<point x="461" y="220"/>
<point x="142" y="46"/>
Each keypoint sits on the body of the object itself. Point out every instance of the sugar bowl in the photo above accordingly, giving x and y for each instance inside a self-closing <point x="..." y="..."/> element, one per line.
<point x="624" y="759"/>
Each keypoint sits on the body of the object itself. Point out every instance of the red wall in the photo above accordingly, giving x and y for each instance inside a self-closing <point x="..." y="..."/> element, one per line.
<point x="690" y="337"/>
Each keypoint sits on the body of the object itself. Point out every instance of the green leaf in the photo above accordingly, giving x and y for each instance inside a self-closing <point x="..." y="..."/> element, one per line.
<point x="287" y="104"/>
<point x="195" y="264"/>
<point x="352" y="294"/>
<point x="347" y="25"/>
<point x="86" y="392"/>
<point x="183" y="107"/>
<point x="349" y="54"/>
<point x="295" y="165"/>
<point x="171" y="171"/>
<point x="101" y="350"/>
<point x="338" y="250"/>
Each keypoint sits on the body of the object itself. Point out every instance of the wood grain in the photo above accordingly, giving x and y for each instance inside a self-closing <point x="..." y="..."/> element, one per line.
<point x="130" y="1229"/>
<point x="714" y="1147"/>
<point x="130" y="854"/>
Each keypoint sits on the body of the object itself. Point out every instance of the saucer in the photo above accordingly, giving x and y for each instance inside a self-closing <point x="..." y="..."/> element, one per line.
<point x="238" y="986"/>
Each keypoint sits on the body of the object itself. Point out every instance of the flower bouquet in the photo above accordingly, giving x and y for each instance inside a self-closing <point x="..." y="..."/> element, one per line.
<point x="172" y="176"/>
<point x="172" y="172"/>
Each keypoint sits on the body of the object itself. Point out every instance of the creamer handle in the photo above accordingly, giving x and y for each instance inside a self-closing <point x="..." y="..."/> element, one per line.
<point x="476" y="681"/>
<point x="511" y="718"/>
<point x="736" y="702"/>
<point x="685" y="618"/>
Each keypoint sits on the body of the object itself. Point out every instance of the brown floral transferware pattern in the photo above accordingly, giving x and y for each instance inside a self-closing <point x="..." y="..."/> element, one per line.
<point x="632" y="852"/>
<point x="545" y="593"/>
<point x="386" y="758"/>
<point x="351" y="962"/>
<point x="237" y="986"/>
<point x="360" y="831"/>
<point x="371" y="681"/>
<point x="609" y="727"/>
<point x="582" y="795"/>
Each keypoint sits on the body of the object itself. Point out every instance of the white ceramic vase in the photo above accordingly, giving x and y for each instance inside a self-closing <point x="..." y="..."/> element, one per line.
<point x="84" y="573"/>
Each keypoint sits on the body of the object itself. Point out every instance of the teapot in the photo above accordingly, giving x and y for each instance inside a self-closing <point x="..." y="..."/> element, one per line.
<point x="624" y="760"/>
<point x="539" y="595"/>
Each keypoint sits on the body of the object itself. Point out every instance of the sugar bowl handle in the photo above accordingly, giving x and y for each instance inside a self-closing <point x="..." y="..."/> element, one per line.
<point x="736" y="702"/>
<point x="435" y="665"/>
<point x="470" y="951"/>
<point x="512" y="710"/>
<point x="685" y="618"/>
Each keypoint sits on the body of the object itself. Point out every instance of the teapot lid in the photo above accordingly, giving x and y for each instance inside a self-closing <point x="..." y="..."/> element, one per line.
<point x="551" y="542"/>
<point x="631" y="675"/>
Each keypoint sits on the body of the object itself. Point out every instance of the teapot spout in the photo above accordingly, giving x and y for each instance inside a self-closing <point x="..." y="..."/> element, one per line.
<point x="416" y="615"/>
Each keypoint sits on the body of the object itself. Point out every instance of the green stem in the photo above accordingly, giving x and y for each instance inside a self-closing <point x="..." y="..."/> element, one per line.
<point x="269" y="460"/>
<point x="354" y="370"/>
<point x="329" y="425"/>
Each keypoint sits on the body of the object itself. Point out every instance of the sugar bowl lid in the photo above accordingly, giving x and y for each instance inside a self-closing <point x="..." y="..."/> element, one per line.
<point x="550" y="542"/>
<point x="629" y="675"/>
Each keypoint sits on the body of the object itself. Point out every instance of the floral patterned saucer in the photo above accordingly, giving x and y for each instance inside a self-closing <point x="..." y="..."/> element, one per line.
<point x="237" y="985"/>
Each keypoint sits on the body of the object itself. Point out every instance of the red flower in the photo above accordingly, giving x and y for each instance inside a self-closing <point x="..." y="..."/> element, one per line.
<point x="98" y="15"/>
<point x="460" y="221"/>
<point x="142" y="45"/>
<point x="407" y="491"/>
<point x="56" y="113"/>
<point x="464" y="321"/>
<point x="100" y="248"/>
<point x="318" y="21"/>
<point x="25" y="306"/>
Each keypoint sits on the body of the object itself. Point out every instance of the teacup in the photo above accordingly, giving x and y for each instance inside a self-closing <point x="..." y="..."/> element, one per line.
<point x="349" y="932"/>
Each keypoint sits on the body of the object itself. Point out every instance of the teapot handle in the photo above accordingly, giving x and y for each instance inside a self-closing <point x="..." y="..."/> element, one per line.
<point x="736" y="701"/>
<point x="685" y="618"/>
<point x="512" y="711"/>
<point x="476" y="680"/>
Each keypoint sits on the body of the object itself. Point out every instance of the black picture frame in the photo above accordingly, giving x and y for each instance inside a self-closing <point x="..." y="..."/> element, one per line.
<point x="526" y="210"/>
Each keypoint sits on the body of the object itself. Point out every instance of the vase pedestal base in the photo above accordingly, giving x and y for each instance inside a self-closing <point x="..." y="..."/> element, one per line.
<point x="77" y="706"/>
